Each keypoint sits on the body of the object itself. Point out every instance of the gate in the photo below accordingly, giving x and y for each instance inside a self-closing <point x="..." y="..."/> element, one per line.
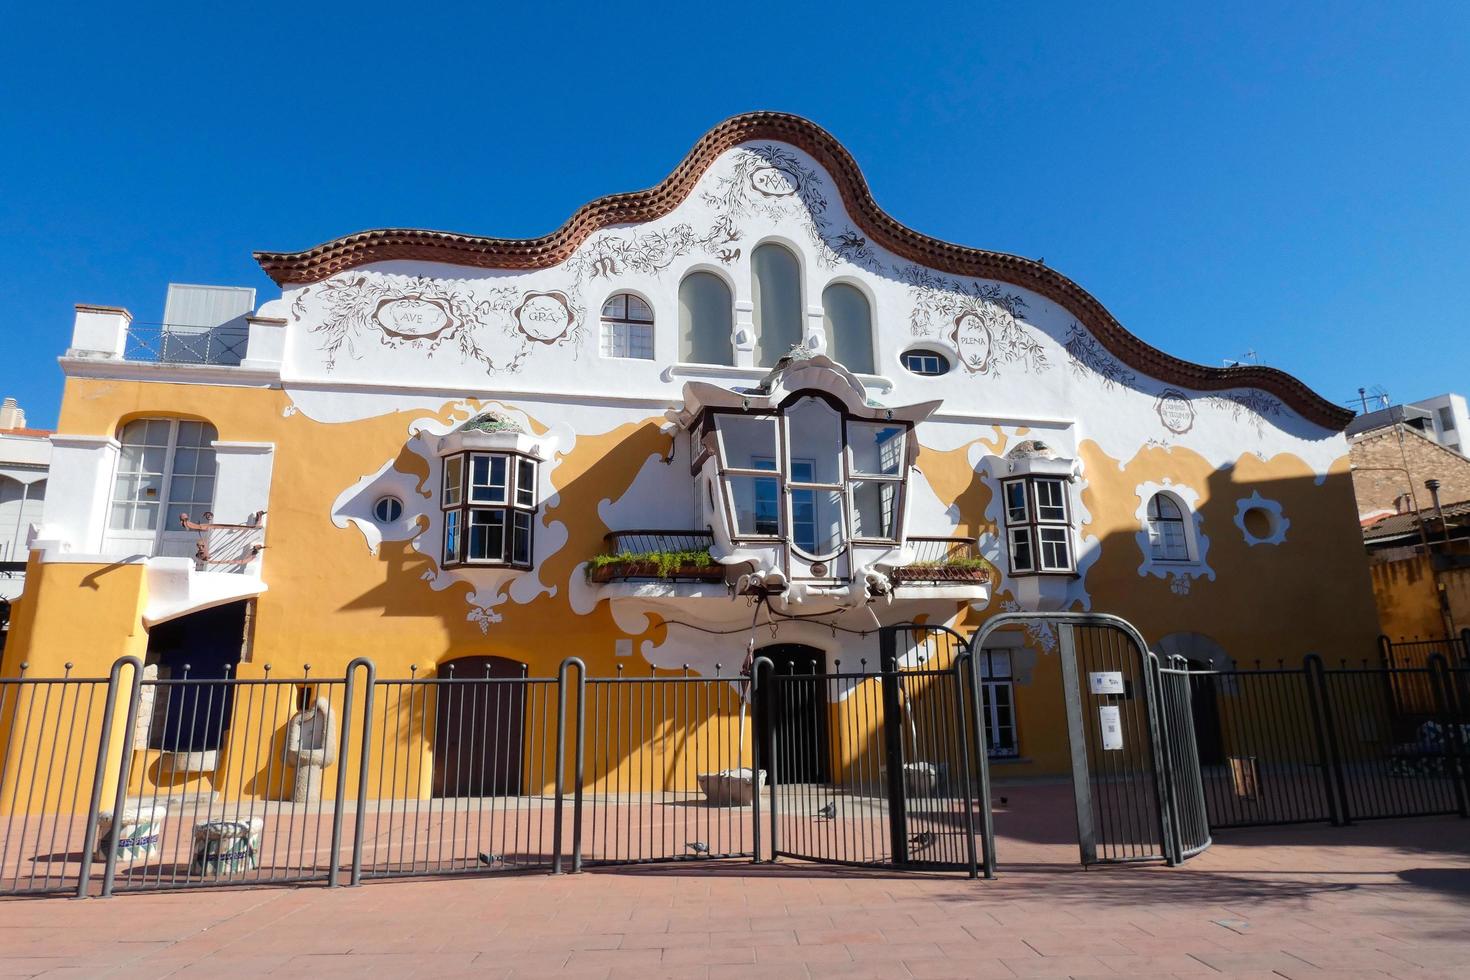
<point x="1135" y="772"/>
<point x="890" y="770"/>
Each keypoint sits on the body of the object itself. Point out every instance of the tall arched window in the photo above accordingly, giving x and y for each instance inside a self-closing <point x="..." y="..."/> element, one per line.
<point x="165" y="469"/>
<point x="705" y="320"/>
<point x="1167" y="539"/>
<point x="776" y="292"/>
<point x="849" y="327"/>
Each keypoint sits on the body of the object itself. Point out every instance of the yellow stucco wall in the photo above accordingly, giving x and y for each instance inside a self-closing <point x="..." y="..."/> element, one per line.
<point x="330" y="600"/>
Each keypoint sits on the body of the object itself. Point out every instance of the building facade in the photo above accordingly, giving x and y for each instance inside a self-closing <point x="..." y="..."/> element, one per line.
<point x="25" y="454"/>
<point x="1448" y="418"/>
<point x="744" y="411"/>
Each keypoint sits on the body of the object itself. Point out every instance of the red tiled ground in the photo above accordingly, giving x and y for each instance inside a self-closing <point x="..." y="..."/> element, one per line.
<point x="1375" y="899"/>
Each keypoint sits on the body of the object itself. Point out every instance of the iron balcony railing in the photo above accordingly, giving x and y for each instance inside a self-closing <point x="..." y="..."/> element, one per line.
<point x="938" y="560"/>
<point x="668" y="555"/>
<point x="172" y="343"/>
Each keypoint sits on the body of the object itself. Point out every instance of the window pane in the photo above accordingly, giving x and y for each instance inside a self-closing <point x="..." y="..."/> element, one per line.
<point x="487" y="479"/>
<point x="706" y="320"/>
<point x="756" y="509"/>
<point x="815" y="432"/>
<point x="1055" y="550"/>
<point x="1050" y="500"/>
<point x="176" y="511"/>
<point x="849" y="324"/>
<point x="157" y="434"/>
<point x="525" y="483"/>
<point x="817" y="519"/>
<point x="521" y="547"/>
<point x="877" y="450"/>
<point x="616" y="306"/>
<point x="747" y="442"/>
<point x="776" y="292"/>
<point x="118" y="521"/>
<point x="487" y="535"/>
<point x="451" y="536"/>
<point x="639" y="310"/>
<point x="1016" y="512"/>
<point x="190" y="433"/>
<point x="145" y="517"/>
<point x="1021" y="557"/>
<point x="875" y="509"/>
<point x="453" y="479"/>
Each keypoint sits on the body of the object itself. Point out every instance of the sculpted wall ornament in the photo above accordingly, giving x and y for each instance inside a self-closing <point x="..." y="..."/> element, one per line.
<point x="981" y="320"/>
<point x="773" y="182"/>
<point x="1175" y="411"/>
<point x="425" y="315"/>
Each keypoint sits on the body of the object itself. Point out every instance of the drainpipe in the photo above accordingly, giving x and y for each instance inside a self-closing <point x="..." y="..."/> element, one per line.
<point x="1444" y="600"/>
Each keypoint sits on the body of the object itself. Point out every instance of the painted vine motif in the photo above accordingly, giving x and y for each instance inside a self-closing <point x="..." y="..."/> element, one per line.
<point x="1088" y="355"/>
<point x="981" y="320"/>
<point x="650" y="253"/>
<point x="1253" y="406"/>
<point x="431" y="315"/>
<point x="773" y="182"/>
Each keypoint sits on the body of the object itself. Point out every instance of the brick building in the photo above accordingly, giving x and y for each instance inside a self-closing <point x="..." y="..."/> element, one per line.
<point x="1388" y="461"/>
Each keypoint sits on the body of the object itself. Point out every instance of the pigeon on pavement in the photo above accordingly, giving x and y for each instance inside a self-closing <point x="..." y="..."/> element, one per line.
<point x="698" y="847"/>
<point x="829" y="811"/>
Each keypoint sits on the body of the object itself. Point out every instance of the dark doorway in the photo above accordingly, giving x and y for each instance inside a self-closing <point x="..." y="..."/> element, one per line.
<point x="202" y="646"/>
<point x="1205" y="706"/>
<point x="478" y="724"/>
<point x="799" y="714"/>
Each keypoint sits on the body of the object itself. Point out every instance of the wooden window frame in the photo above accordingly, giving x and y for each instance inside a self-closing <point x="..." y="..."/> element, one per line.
<point x="520" y="469"/>
<point x="1034" y="524"/>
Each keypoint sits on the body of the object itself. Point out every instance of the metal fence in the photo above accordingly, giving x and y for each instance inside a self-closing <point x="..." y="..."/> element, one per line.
<point x="1317" y="743"/>
<point x="170" y="343"/>
<point x="139" y="782"/>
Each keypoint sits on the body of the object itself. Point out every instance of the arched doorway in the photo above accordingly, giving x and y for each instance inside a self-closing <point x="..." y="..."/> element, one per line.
<point x="188" y="716"/>
<point x="799" y="714"/>
<point x="479" y="720"/>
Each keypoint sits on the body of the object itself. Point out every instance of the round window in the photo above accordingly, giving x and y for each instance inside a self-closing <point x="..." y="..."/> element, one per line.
<point x="388" y="509"/>
<point x="1259" y="523"/>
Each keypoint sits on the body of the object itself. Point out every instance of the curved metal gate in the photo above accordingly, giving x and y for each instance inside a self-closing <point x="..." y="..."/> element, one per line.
<point x="899" y="777"/>
<point x="1135" y="771"/>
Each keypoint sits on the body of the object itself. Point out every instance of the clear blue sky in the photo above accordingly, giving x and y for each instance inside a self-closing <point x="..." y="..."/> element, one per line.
<point x="1288" y="178"/>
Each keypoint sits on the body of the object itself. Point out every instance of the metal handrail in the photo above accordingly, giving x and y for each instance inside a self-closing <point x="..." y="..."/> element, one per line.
<point x="181" y="343"/>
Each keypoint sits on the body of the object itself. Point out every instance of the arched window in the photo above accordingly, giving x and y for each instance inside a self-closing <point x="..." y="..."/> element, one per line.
<point x="776" y="292"/>
<point x="849" y="327"/>
<point x="166" y="468"/>
<point x="627" y="327"/>
<point x="1167" y="539"/>
<point x="20" y="507"/>
<point x="705" y="320"/>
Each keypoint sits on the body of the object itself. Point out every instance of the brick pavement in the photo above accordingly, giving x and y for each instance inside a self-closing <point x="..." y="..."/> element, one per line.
<point x="1375" y="899"/>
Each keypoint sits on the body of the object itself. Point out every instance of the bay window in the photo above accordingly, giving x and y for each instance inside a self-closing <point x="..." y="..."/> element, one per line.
<point x="1038" y="525"/>
<point x="811" y="476"/>
<point x="489" y="500"/>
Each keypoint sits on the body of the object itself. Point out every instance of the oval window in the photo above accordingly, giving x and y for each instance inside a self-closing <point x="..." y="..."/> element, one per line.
<point x="388" y="509"/>
<point x="927" y="363"/>
<point x="1259" y="523"/>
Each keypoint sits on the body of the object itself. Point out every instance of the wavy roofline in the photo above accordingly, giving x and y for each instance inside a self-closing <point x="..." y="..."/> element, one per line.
<point x="383" y="244"/>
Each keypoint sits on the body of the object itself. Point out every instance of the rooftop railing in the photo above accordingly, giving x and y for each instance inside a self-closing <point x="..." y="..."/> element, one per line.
<point x="172" y="343"/>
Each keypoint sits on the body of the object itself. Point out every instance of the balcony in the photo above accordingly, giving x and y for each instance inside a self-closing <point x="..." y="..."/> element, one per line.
<point x="942" y="561"/>
<point x="168" y="343"/>
<point x="661" y="556"/>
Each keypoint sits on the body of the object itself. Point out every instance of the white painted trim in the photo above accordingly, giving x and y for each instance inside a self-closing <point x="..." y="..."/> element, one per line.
<point x="84" y="442"/>
<point x="117" y="369"/>
<point x="243" y="448"/>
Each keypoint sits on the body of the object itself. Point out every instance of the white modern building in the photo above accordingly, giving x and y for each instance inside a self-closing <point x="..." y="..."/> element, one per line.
<point x="25" y="457"/>
<point x="1449" y="418"/>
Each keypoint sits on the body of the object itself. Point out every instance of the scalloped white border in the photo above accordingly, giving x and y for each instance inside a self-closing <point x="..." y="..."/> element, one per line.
<point x="1179" y="573"/>
<point x="1279" y="521"/>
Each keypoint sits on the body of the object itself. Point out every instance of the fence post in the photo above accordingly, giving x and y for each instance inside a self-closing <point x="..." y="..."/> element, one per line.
<point x="893" y="720"/>
<point x="762" y="723"/>
<point x="579" y="767"/>
<point x="124" y="772"/>
<point x="982" y="749"/>
<point x="561" y="759"/>
<point x="1444" y="702"/>
<point x="1327" y="740"/>
<point x="1463" y="659"/>
<point x="960" y="676"/>
<point x="755" y="770"/>
<point x="339" y="800"/>
<point x="1173" y="849"/>
<point x="94" y="806"/>
<point x="364" y="755"/>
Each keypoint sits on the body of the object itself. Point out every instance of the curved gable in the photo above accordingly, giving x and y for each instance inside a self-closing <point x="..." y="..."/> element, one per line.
<point x="313" y="265"/>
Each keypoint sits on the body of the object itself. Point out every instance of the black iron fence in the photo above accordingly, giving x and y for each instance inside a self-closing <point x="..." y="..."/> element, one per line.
<point x="137" y="781"/>
<point x="1330" y="743"/>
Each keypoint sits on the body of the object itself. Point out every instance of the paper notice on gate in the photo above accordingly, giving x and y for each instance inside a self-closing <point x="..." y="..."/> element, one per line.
<point x="1111" y="726"/>
<point x="1105" y="681"/>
